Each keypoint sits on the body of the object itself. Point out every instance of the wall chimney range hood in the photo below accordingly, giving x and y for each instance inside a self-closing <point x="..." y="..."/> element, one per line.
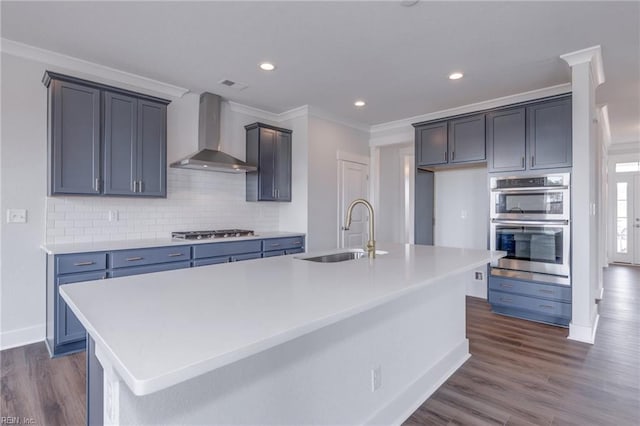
<point x="209" y="156"/>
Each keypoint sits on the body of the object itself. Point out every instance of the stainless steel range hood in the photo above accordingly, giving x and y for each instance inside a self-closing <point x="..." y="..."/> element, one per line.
<point x="209" y="156"/>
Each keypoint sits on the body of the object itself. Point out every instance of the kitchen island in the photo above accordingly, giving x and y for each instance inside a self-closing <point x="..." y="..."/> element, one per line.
<point x="278" y="340"/>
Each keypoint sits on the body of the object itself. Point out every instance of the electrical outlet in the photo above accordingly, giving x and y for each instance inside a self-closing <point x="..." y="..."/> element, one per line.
<point x="16" y="216"/>
<point x="376" y="378"/>
<point x="114" y="216"/>
<point x="479" y="276"/>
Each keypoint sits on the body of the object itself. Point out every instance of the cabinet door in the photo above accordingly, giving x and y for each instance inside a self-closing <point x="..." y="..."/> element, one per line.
<point x="75" y="139"/>
<point x="68" y="327"/>
<point x="506" y="140"/>
<point x="120" y="135"/>
<point x="424" y="199"/>
<point x="550" y="134"/>
<point x="431" y="144"/>
<point x="283" y="166"/>
<point x="151" y="153"/>
<point x="267" y="165"/>
<point x="467" y="139"/>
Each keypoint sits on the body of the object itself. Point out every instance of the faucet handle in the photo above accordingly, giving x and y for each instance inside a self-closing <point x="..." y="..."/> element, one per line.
<point x="344" y="228"/>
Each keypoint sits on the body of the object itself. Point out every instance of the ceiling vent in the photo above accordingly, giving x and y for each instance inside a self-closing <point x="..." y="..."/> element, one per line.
<point x="233" y="84"/>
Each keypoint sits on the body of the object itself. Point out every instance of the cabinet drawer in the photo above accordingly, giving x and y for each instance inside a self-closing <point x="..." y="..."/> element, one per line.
<point x="247" y="256"/>
<point x="211" y="261"/>
<point x="82" y="262"/>
<point x="546" y="291"/>
<point x="282" y="243"/>
<point x="201" y="251"/>
<point x="533" y="304"/>
<point x="150" y="256"/>
<point x="137" y="270"/>
<point x="294" y="251"/>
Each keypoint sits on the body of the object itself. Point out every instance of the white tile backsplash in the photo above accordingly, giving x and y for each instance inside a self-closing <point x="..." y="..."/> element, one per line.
<point x="196" y="200"/>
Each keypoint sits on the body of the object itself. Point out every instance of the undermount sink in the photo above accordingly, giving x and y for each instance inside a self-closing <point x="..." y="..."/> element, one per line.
<point x="340" y="257"/>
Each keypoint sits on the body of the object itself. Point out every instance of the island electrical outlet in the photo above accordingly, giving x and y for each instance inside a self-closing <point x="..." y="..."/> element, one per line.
<point x="376" y="378"/>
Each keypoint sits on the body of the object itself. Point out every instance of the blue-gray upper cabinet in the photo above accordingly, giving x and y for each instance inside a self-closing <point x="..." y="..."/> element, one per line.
<point x="506" y="140"/>
<point x="460" y="140"/>
<point x="74" y="139"/>
<point x="431" y="144"/>
<point x="531" y="137"/>
<point x="549" y="134"/>
<point x="105" y="140"/>
<point x="269" y="148"/>
<point x="467" y="139"/>
<point x="135" y="146"/>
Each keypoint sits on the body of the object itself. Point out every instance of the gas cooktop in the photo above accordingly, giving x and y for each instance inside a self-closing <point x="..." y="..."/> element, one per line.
<point x="218" y="233"/>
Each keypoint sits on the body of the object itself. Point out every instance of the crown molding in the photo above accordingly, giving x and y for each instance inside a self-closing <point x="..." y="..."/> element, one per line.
<point x="300" y="111"/>
<point x="253" y="111"/>
<point x="107" y="74"/>
<point x="591" y="55"/>
<point x="399" y="130"/>
<point x="319" y="113"/>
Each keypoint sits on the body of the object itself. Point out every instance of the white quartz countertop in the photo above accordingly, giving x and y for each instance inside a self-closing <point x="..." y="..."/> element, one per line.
<point x="161" y="329"/>
<point x="68" y="248"/>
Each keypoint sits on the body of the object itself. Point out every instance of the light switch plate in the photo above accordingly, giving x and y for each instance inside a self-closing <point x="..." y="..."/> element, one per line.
<point x="16" y="216"/>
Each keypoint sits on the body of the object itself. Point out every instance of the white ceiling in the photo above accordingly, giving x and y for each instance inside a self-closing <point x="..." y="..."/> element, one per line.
<point x="330" y="53"/>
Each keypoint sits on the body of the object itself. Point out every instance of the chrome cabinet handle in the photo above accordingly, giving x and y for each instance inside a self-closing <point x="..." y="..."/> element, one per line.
<point x="545" y="291"/>
<point x="140" y="187"/>
<point x="545" y="306"/>
<point x="175" y="254"/>
<point x="445" y="156"/>
<point x="453" y="155"/>
<point x="297" y="242"/>
<point x="532" y="160"/>
<point x="97" y="184"/>
<point x="523" y="165"/>
<point x="133" y="184"/>
<point x="506" y="299"/>
<point x="133" y="259"/>
<point x="506" y="285"/>
<point x="84" y="263"/>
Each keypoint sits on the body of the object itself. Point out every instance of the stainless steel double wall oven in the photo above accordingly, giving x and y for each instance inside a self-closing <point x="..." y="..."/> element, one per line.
<point x="530" y="220"/>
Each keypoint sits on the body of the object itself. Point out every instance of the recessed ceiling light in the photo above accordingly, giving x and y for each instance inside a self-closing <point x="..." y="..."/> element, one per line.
<point x="359" y="103"/>
<point x="267" y="66"/>
<point x="455" y="76"/>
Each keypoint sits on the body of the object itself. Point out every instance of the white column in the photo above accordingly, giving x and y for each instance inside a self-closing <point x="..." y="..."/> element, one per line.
<point x="586" y="74"/>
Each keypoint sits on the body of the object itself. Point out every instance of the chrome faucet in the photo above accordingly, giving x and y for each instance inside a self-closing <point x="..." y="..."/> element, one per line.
<point x="370" y="248"/>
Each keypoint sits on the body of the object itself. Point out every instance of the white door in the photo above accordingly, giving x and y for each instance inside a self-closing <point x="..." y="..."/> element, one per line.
<point x="352" y="184"/>
<point x="626" y="225"/>
<point x="634" y="224"/>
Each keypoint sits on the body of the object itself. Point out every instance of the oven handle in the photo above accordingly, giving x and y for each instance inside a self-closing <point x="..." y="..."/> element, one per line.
<point x="530" y="222"/>
<point x="535" y="189"/>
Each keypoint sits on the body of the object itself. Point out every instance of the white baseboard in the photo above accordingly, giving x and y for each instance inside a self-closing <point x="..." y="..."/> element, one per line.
<point x="581" y="333"/>
<point x="22" y="336"/>
<point x="401" y="408"/>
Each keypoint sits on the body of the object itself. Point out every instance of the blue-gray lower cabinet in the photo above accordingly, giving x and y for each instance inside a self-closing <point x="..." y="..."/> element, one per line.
<point x="64" y="333"/>
<point x="234" y="251"/>
<point x="536" y="301"/>
<point x="281" y="246"/>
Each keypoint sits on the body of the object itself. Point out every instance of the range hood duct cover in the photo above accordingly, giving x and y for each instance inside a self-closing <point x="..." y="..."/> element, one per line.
<point x="209" y="156"/>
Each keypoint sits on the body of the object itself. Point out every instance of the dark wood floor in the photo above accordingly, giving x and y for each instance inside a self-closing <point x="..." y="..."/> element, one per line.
<point x="523" y="373"/>
<point x="520" y="373"/>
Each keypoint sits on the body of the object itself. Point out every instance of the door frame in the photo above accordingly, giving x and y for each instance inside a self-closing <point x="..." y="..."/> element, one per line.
<point x="613" y="178"/>
<point x="352" y="158"/>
